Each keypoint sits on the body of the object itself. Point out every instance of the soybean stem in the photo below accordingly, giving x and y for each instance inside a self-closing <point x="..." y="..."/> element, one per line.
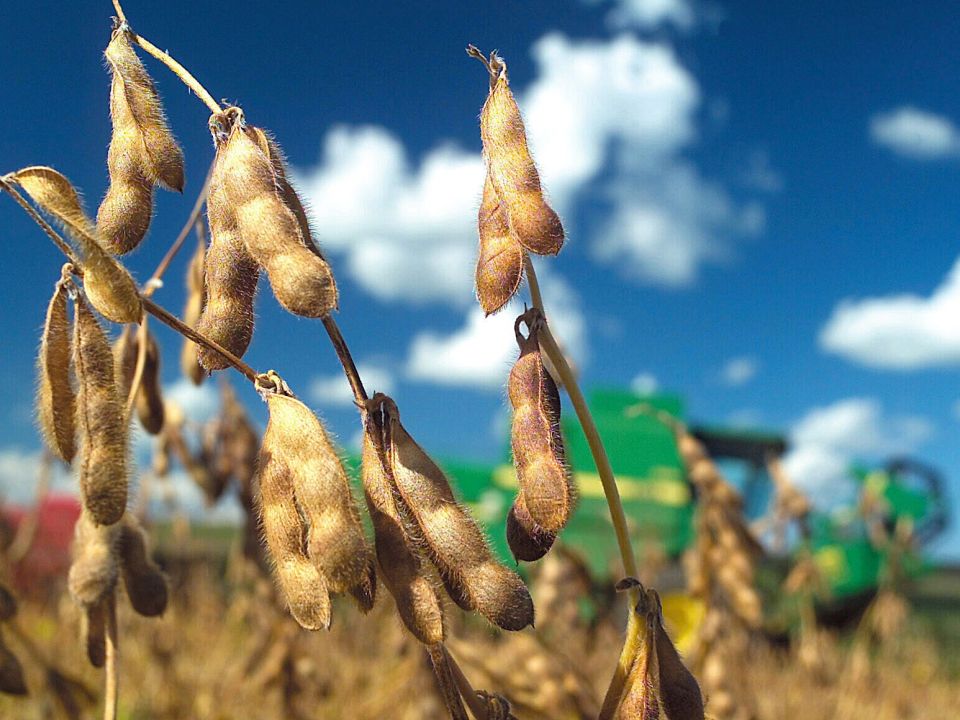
<point x="179" y="70"/>
<point x="448" y="688"/>
<point x="476" y="705"/>
<point x="607" y="479"/>
<point x="112" y="665"/>
<point x="346" y="359"/>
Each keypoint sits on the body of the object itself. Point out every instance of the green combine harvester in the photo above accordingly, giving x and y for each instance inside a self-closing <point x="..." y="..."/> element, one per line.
<point x="660" y="503"/>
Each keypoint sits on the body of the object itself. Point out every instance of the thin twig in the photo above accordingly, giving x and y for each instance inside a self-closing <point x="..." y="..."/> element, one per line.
<point x="610" y="490"/>
<point x="112" y="665"/>
<point x="346" y="359"/>
<point x="476" y="705"/>
<point x="448" y="688"/>
<point x="44" y="225"/>
<point x="179" y="70"/>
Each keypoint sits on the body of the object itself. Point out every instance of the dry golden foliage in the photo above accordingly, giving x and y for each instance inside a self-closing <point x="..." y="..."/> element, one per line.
<point x="56" y="397"/>
<point x="143" y="151"/>
<point x="500" y="261"/>
<point x="100" y="418"/>
<point x="401" y="567"/>
<point x="511" y="168"/>
<point x="451" y="537"/>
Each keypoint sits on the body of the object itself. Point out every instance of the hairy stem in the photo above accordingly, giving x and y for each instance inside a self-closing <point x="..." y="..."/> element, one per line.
<point x="448" y="687"/>
<point x="112" y="665"/>
<point x="346" y="359"/>
<point x="176" y="68"/>
<point x="476" y="705"/>
<point x="610" y="490"/>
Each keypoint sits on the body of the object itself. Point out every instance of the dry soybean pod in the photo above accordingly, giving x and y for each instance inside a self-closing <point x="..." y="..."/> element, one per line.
<point x="527" y="540"/>
<point x="230" y="274"/>
<point x="143" y="151"/>
<point x="196" y="296"/>
<point x="301" y="450"/>
<point x="145" y="584"/>
<point x="94" y="570"/>
<point x="149" y="400"/>
<point x="301" y="582"/>
<point x="512" y="171"/>
<point x="300" y="278"/>
<point x="103" y="431"/>
<point x="8" y="603"/>
<point x="640" y="699"/>
<point x="535" y="433"/>
<point x="400" y="563"/>
<point x="56" y="397"/>
<point x="451" y="537"/>
<point x="500" y="261"/>
<point x="11" y="672"/>
<point x="679" y="692"/>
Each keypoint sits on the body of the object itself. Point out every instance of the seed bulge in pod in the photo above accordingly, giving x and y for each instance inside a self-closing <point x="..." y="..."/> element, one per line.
<point x="451" y="537"/>
<point x="500" y="262"/>
<point x="511" y="168"/>
<point x="527" y="540"/>
<point x="335" y="539"/>
<point x="56" y="398"/>
<point x="145" y="583"/>
<point x="149" y="400"/>
<point x="103" y="431"/>
<point x="93" y="572"/>
<point x="399" y="560"/>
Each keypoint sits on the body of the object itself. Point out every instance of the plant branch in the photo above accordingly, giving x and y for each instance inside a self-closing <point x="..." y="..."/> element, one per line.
<point x="44" y="225"/>
<point x="112" y="665"/>
<point x="138" y="369"/>
<point x="476" y="705"/>
<point x="176" y="68"/>
<point x="607" y="479"/>
<point x="448" y="688"/>
<point x="346" y="359"/>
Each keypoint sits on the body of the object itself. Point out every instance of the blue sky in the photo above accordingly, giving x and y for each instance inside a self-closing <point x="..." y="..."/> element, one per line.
<point x="759" y="198"/>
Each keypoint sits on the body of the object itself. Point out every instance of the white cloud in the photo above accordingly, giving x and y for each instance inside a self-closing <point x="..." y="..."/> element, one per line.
<point x="199" y="403"/>
<point x="916" y="133"/>
<point x="651" y="14"/>
<point x="827" y="440"/>
<point x="335" y="390"/>
<point x="644" y="383"/>
<point x="479" y="354"/>
<point x="739" y="371"/>
<point x="900" y="332"/>
<point x="621" y="109"/>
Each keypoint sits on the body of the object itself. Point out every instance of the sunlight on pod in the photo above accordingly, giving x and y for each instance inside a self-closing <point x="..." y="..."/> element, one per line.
<point x="514" y="175"/>
<point x="302" y="583"/>
<point x="196" y="296"/>
<point x="56" y="397"/>
<point x="399" y="561"/>
<point x="527" y="540"/>
<point x="103" y="432"/>
<point x="230" y="274"/>
<point x="11" y="672"/>
<point x="146" y="585"/>
<point x="107" y="283"/>
<point x="143" y="151"/>
<point x="641" y="696"/>
<point x="538" y="451"/>
<point x="300" y="278"/>
<point x="296" y="446"/>
<point x="500" y="262"/>
<point x="95" y="568"/>
<point x="450" y="536"/>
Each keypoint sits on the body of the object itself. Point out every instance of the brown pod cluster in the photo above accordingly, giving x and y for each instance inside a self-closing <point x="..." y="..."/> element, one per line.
<point x="56" y="397"/>
<point x="400" y="564"/>
<point x="143" y="151"/>
<point x="196" y="296"/>
<point x="146" y="585"/>
<point x="95" y="568"/>
<point x="268" y="217"/>
<point x="500" y="261"/>
<point x="100" y="417"/>
<point x="450" y="537"/>
<point x="511" y="168"/>
<point x="546" y="498"/>
<point x="149" y="398"/>
<point x="309" y="517"/>
<point x="108" y="285"/>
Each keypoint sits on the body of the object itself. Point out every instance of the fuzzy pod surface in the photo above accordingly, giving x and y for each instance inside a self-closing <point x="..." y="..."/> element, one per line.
<point x="95" y="567"/>
<point x="56" y="397"/>
<point x="527" y="540"/>
<point x="100" y="419"/>
<point x="145" y="583"/>
<point x="512" y="170"/>
<point x="451" y="537"/>
<point x="535" y="435"/>
<point x="500" y="261"/>
<point x="196" y="296"/>
<point x="400" y="564"/>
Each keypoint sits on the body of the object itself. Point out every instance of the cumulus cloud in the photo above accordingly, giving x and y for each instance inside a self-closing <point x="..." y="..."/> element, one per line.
<point x="916" y="133"/>
<point x="651" y="14"/>
<point x="828" y="439"/>
<point x="618" y="113"/>
<point x="739" y="371"/>
<point x="480" y="352"/>
<point x="334" y="390"/>
<point x="198" y="402"/>
<point x="644" y="383"/>
<point x="899" y="332"/>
